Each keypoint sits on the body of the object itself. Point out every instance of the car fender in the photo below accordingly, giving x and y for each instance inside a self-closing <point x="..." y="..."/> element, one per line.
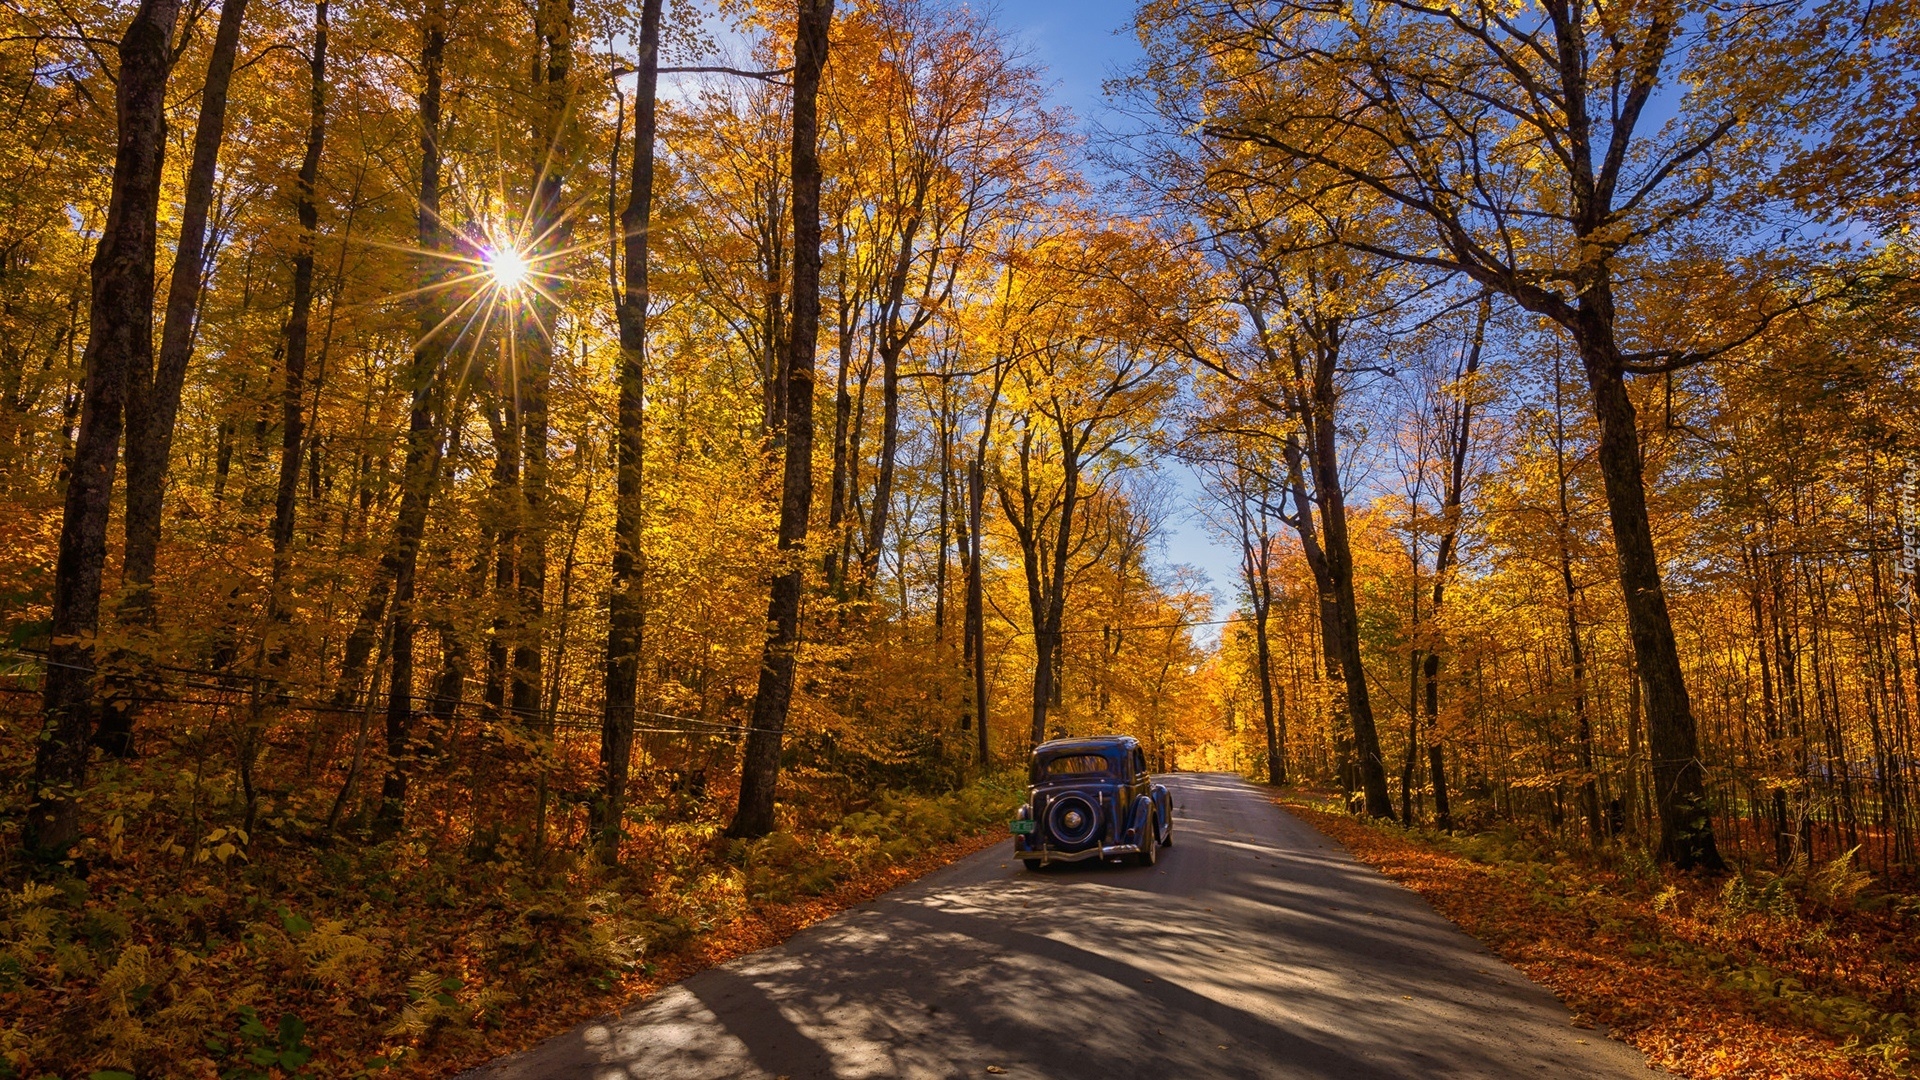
<point x="1137" y="819"/>
<point x="1164" y="800"/>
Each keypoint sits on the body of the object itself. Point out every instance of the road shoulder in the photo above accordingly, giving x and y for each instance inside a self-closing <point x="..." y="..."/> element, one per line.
<point x="1574" y="934"/>
<point x="764" y="927"/>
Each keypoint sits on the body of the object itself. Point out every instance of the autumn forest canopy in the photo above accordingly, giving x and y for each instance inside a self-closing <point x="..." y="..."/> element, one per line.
<point x="667" y="457"/>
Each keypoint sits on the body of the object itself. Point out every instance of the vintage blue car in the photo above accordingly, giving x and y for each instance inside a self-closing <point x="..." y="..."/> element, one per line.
<point x="1091" y="799"/>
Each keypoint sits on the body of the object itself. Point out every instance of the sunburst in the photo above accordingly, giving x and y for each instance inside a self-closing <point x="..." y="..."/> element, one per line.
<point x="507" y="266"/>
<point x="502" y="275"/>
<point x="496" y="274"/>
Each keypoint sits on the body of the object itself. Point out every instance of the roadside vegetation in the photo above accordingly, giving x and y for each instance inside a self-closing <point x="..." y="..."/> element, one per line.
<point x="282" y="955"/>
<point x="1811" y="972"/>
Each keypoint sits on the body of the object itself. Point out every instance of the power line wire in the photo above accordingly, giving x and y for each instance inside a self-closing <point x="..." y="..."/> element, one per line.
<point x="239" y="683"/>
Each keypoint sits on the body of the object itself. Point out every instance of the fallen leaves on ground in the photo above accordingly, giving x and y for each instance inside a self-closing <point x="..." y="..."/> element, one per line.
<point x="1709" y="982"/>
<point x="761" y="928"/>
<point x="298" y="956"/>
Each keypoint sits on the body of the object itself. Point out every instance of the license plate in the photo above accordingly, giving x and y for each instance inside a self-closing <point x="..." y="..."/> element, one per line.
<point x="1021" y="828"/>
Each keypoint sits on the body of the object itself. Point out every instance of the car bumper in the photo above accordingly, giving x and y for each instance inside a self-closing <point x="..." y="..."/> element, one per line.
<point x="1054" y="855"/>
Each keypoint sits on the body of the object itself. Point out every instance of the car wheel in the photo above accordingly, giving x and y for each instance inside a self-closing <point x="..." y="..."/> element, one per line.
<point x="1032" y="864"/>
<point x="1149" y="850"/>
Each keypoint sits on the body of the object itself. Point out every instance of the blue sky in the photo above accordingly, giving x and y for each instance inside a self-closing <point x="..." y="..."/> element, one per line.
<point x="1078" y="42"/>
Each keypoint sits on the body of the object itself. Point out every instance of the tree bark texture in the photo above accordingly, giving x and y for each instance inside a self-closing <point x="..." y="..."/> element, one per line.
<point x="153" y="400"/>
<point x="1339" y="556"/>
<point x="422" y="459"/>
<point x="119" y="341"/>
<point x="760" y="764"/>
<point x="1048" y="614"/>
<point x="1045" y="546"/>
<point x="292" y="394"/>
<point x="547" y="233"/>
<point x="1257" y="570"/>
<point x="1460" y="439"/>
<point x="1316" y="402"/>
<point x="975" y="631"/>
<point x="626" y="599"/>
<point x="1680" y="785"/>
<point x="151" y="415"/>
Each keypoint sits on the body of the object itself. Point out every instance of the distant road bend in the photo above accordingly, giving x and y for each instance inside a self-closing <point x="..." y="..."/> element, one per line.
<point x="1256" y="948"/>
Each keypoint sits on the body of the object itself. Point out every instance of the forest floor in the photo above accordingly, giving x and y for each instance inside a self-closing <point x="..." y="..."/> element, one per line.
<point x="1799" y="976"/>
<point x="761" y="927"/>
<point x="283" y="955"/>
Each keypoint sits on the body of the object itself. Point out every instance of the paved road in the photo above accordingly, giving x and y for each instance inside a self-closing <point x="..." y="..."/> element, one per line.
<point x="1257" y="948"/>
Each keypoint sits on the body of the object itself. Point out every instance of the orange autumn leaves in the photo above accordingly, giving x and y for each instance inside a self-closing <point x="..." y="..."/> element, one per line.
<point x="1669" y="965"/>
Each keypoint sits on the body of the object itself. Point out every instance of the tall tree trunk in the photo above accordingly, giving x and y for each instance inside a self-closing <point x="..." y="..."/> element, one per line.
<point x="292" y="394"/>
<point x="626" y="599"/>
<point x="1256" y="573"/>
<point x="1262" y="587"/>
<point x="1583" y="724"/>
<point x="942" y="531"/>
<point x="119" y="341"/>
<point x="1326" y="607"/>
<point x="760" y="765"/>
<point x="1770" y="711"/>
<point x="884" y="469"/>
<point x="1679" y="780"/>
<point x="776" y="329"/>
<point x="1046" y="571"/>
<point x="1339" y="554"/>
<point x="1461" y="436"/>
<point x="548" y="234"/>
<point x="1412" y="759"/>
<point x="1302" y="521"/>
<point x="503" y="424"/>
<point x="973" y="647"/>
<point x="422" y="458"/>
<point x="839" y="497"/>
<point x="152" y="409"/>
<point x="974" y="631"/>
<point x="891" y="336"/>
<point x="1026" y="525"/>
<point x="1316" y="408"/>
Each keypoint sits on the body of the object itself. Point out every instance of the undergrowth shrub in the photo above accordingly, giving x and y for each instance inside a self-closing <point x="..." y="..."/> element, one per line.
<point x="1835" y="884"/>
<point x="1812" y="943"/>
<point x="283" y="953"/>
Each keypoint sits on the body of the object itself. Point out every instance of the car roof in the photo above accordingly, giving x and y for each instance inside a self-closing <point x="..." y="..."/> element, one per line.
<point x="1092" y="744"/>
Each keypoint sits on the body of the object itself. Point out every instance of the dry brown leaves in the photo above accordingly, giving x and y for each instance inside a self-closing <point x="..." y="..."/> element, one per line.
<point x="1684" y="1021"/>
<point x="765" y="926"/>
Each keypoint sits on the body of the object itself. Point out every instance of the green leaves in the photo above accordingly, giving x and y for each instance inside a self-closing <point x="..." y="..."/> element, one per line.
<point x="283" y="1048"/>
<point x="294" y="925"/>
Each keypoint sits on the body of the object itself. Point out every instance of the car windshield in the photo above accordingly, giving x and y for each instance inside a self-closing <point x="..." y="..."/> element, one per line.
<point x="1077" y="765"/>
